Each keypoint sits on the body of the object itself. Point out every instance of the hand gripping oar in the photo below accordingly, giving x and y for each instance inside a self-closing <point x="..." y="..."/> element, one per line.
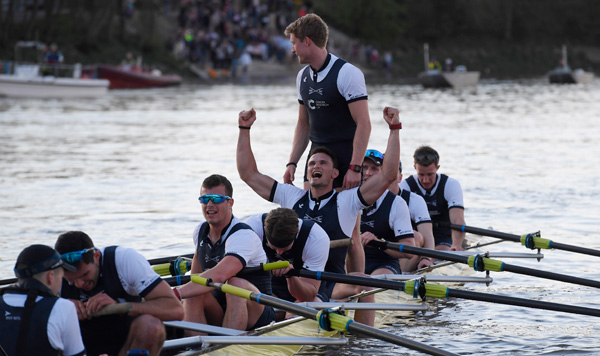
<point x="328" y="320"/>
<point x="420" y="288"/>
<point x="181" y="280"/>
<point x="481" y="263"/>
<point x="531" y="241"/>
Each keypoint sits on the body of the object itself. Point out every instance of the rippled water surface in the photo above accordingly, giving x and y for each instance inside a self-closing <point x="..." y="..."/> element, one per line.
<point x="127" y="170"/>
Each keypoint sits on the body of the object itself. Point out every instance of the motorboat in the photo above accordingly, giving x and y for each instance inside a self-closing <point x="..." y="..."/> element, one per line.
<point x="457" y="78"/>
<point x="127" y="77"/>
<point x="25" y="80"/>
<point x="564" y="75"/>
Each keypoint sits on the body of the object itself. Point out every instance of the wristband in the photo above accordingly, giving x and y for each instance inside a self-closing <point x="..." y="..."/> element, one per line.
<point x="355" y="167"/>
<point x="244" y="127"/>
<point x="397" y="126"/>
<point x="292" y="164"/>
<point x="177" y="294"/>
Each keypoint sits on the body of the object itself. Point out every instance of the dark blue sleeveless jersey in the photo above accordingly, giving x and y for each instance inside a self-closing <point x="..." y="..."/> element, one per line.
<point x="293" y="255"/>
<point x="328" y="218"/>
<point x="329" y="117"/>
<point x="437" y="206"/>
<point x="209" y="256"/>
<point x="378" y="223"/>
<point x="36" y="340"/>
<point x="108" y="282"/>
<point x="405" y="194"/>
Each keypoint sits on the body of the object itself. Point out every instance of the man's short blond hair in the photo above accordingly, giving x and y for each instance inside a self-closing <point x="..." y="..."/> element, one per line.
<point x="311" y="26"/>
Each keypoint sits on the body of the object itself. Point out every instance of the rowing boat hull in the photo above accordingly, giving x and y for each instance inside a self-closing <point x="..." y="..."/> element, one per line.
<point x="302" y="328"/>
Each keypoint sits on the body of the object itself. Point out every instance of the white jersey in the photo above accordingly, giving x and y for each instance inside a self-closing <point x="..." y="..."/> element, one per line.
<point x="135" y="273"/>
<point x="452" y="193"/>
<point x="316" y="250"/>
<point x="349" y="205"/>
<point x="350" y="81"/>
<point x="244" y="244"/>
<point x="63" y="325"/>
<point x="399" y="216"/>
<point x="417" y="208"/>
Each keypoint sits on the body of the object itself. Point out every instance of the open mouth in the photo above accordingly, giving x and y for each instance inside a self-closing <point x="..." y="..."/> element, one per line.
<point x="317" y="174"/>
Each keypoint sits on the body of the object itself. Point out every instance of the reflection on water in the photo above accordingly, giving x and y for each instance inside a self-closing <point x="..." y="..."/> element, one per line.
<point x="127" y="169"/>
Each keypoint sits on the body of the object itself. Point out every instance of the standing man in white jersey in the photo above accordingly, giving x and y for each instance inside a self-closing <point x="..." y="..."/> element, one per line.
<point x="333" y="110"/>
<point x="443" y="196"/>
<point x="336" y="212"/>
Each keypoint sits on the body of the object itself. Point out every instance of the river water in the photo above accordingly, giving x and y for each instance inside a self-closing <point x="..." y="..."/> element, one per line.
<point x="127" y="170"/>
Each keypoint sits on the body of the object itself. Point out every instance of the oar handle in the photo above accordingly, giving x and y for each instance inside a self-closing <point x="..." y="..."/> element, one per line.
<point x="181" y="280"/>
<point x="340" y="243"/>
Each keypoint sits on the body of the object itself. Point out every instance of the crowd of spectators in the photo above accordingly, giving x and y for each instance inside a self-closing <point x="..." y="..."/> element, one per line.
<point x="227" y="34"/>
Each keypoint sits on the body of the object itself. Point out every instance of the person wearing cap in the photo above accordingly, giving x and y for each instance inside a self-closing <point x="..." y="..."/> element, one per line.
<point x="305" y="244"/>
<point x="336" y="212"/>
<point x="224" y="246"/>
<point x="421" y="223"/>
<point x="35" y="321"/>
<point x="443" y="196"/>
<point x="116" y="275"/>
<point x="388" y="220"/>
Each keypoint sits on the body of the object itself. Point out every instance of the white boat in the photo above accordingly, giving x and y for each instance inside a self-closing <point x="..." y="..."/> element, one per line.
<point x="26" y="81"/>
<point x="564" y="75"/>
<point x="457" y="79"/>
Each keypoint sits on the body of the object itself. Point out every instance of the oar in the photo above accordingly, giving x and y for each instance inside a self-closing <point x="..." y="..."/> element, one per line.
<point x="163" y="260"/>
<point x="327" y="320"/>
<point x="177" y="267"/>
<point x="156" y="261"/>
<point x="531" y="241"/>
<point x="480" y="263"/>
<point x="447" y="263"/>
<point x="419" y="288"/>
<point x="181" y="280"/>
<point x="180" y="265"/>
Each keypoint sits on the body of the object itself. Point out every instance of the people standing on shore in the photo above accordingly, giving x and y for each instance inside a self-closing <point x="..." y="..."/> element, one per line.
<point x="35" y="320"/>
<point x="443" y="196"/>
<point x="224" y="246"/>
<point x="110" y="276"/>
<point x="336" y="212"/>
<point x="333" y="112"/>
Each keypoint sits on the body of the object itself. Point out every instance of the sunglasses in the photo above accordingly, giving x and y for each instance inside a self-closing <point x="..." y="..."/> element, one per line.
<point x="215" y="198"/>
<point x="374" y="153"/>
<point x="426" y="158"/>
<point x="75" y="256"/>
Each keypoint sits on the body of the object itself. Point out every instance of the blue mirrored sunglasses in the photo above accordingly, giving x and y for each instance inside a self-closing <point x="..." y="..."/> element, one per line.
<point x="75" y="256"/>
<point x="216" y="198"/>
<point x="374" y="153"/>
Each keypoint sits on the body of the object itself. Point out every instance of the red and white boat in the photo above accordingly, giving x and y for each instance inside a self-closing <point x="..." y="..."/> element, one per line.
<point x="132" y="78"/>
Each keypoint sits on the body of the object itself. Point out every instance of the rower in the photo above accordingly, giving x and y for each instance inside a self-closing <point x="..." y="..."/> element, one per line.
<point x="336" y="212"/>
<point x="111" y="275"/>
<point x="443" y="196"/>
<point x="388" y="219"/>
<point x="301" y="242"/>
<point x="421" y="224"/>
<point x="224" y="246"/>
<point x="35" y="320"/>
